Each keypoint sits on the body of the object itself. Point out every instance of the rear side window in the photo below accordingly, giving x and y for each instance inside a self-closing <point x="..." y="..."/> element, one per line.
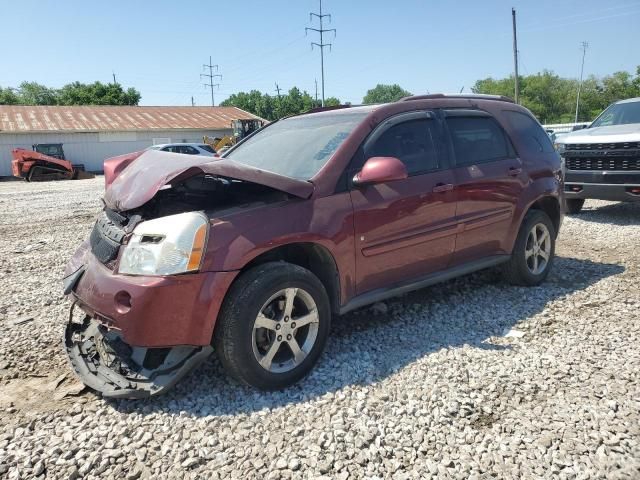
<point x="529" y="132"/>
<point x="478" y="140"/>
<point x="412" y="142"/>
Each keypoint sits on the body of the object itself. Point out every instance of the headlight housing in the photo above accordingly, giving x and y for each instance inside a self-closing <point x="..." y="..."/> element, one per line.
<point x="560" y="147"/>
<point x="166" y="245"/>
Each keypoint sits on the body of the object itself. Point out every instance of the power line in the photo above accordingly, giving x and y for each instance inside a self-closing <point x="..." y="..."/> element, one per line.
<point x="577" y="22"/>
<point x="211" y="76"/>
<point x="598" y="14"/>
<point x="584" y="46"/>
<point x="320" y="16"/>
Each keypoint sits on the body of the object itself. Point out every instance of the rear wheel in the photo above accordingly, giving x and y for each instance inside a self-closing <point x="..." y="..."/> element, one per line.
<point x="574" y="205"/>
<point x="533" y="252"/>
<point x="273" y="325"/>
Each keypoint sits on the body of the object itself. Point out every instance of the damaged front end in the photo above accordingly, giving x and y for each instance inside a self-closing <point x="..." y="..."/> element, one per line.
<point x="106" y="364"/>
<point x="144" y="280"/>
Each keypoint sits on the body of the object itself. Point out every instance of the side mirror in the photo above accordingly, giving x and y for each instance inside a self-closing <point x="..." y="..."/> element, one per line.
<point x="578" y="127"/>
<point x="380" y="170"/>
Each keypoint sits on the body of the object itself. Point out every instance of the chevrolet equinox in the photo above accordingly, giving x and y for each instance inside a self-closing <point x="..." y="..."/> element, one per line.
<point x="313" y="215"/>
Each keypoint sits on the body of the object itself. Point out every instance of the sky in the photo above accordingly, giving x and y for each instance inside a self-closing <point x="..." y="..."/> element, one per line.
<point x="426" y="46"/>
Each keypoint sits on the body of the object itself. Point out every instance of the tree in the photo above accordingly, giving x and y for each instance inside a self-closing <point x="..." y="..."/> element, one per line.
<point x="32" y="93"/>
<point x="385" y="94"/>
<point x="97" y="93"/>
<point x="272" y="108"/>
<point x="8" y="96"/>
<point x="76" y="93"/>
<point x="331" y="102"/>
<point x="552" y="98"/>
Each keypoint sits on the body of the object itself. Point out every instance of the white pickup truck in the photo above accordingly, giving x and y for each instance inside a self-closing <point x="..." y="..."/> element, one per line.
<point x="603" y="160"/>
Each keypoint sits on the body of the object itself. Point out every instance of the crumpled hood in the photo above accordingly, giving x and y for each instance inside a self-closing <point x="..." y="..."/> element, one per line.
<point x="141" y="179"/>
<point x="608" y="134"/>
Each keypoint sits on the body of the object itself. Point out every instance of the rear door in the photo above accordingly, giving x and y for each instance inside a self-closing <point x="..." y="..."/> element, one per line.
<point x="404" y="229"/>
<point x="489" y="179"/>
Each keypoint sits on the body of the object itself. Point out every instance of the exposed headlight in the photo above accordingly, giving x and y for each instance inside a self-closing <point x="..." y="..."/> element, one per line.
<point x="166" y="245"/>
<point x="560" y="147"/>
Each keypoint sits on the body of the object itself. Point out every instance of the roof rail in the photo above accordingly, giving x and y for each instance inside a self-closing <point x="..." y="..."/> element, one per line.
<point x="478" y="96"/>
<point x="326" y="109"/>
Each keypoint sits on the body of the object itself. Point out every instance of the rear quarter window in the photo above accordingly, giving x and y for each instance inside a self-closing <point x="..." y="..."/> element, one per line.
<point x="530" y="134"/>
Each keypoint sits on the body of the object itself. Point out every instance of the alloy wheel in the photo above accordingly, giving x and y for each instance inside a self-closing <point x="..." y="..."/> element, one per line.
<point x="285" y="330"/>
<point x="538" y="248"/>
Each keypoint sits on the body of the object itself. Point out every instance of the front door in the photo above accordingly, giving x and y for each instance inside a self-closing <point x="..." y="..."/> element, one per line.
<point x="405" y="229"/>
<point x="489" y="180"/>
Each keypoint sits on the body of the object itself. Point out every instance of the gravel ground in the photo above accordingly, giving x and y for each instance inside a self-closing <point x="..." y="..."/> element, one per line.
<point x="425" y="385"/>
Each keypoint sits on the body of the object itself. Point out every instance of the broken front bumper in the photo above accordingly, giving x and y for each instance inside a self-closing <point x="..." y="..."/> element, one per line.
<point x="148" y="311"/>
<point x="108" y="365"/>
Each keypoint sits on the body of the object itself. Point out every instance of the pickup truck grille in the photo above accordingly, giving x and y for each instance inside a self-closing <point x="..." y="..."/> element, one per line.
<point x="603" y="146"/>
<point x="603" y="163"/>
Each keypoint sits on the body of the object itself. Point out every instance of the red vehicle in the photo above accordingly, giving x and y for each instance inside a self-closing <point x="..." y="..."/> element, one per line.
<point x="313" y="215"/>
<point x="45" y="162"/>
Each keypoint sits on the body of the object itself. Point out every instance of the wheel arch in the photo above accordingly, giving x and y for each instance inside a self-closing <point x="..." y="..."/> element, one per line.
<point x="314" y="257"/>
<point x="550" y="205"/>
<point x="547" y="202"/>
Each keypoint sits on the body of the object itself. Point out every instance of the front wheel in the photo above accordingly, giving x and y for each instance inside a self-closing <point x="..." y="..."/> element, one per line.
<point x="533" y="252"/>
<point x="273" y="325"/>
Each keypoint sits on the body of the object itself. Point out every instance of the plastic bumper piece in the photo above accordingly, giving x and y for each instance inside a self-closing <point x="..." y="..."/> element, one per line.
<point x="106" y="364"/>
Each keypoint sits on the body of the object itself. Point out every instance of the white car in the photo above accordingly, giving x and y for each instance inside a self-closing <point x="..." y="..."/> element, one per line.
<point x="185" y="148"/>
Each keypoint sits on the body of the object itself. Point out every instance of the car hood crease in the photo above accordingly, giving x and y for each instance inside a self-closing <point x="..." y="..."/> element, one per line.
<point x="140" y="181"/>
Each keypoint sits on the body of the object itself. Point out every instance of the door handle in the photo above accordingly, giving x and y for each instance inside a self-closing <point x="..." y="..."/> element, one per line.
<point x="442" y="187"/>
<point x="514" y="171"/>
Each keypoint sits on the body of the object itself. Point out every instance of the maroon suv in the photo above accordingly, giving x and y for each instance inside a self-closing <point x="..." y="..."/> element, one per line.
<point x="313" y="215"/>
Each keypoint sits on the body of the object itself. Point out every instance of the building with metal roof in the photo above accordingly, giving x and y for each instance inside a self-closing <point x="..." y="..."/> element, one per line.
<point x="90" y="134"/>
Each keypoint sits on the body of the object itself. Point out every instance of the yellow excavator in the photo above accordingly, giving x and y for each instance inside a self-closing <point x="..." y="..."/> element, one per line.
<point x="241" y="129"/>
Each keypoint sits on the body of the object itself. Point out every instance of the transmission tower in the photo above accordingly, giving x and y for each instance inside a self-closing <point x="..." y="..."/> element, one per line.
<point x="321" y="16"/>
<point x="211" y="76"/>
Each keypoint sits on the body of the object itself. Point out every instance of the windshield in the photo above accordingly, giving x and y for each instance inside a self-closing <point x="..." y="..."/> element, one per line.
<point x="298" y="147"/>
<point x="619" y="114"/>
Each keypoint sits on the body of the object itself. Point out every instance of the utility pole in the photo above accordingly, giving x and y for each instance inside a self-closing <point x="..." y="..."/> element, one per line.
<point x="584" y="46"/>
<point x="114" y="78"/>
<point x="211" y="76"/>
<point x="193" y="104"/>
<point x="515" y="54"/>
<point x="316" y="80"/>
<point x="279" y="105"/>
<point x="321" y="45"/>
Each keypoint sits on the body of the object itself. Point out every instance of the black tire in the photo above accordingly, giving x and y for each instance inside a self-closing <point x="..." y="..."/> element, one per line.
<point x="234" y="334"/>
<point x="574" y="205"/>
<point x="517" y="270"/>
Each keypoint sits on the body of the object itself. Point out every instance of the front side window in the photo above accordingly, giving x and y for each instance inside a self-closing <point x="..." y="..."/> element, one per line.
<point x="298" y="147"/>
<point x="189" y="150"/>
<point x="477" y="140"/>
<point x="412" y="142"/>
<point x="207" y="148"/>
